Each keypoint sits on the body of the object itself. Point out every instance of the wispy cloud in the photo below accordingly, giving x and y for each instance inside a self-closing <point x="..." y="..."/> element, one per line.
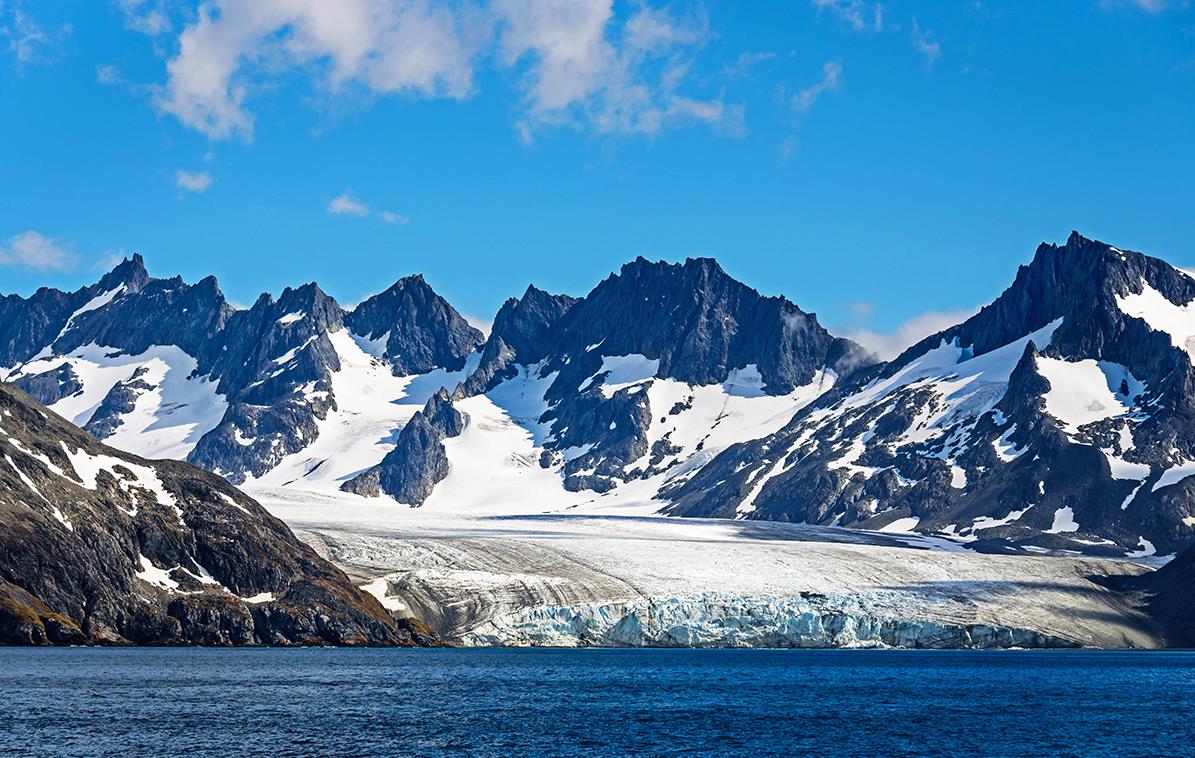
<point x="33" y="250"/>
<point x="831" y="80"/>
<point x="393" y="218"/>
<point x="584" y="69"/>
<point x="888" y="345"/>
<point x="108" y="75"/>
<point x="575" y="62"/>
<point x="483" y="325"/>
<point x="197" y="181"/>
<point x="150" y="17"/>
<point x="1149" y="6"/>
<point x="924" y="43"/>
<point x="859" y="15"/>
<point x="803" y="100"/>
<point x="347" y="205"/>
<point x="109" y="260"/>
<point x="745" y="63"/>
<point x="28" y="41"/>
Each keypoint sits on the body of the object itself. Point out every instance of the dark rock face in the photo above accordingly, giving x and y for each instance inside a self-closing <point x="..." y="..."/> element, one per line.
<point x="51" y="386"/>
<point x="958" y="431"/>
<point x="690" y="322"/>
<point x="102" y="546"/>
<point x="121" y="399"/>
<point x="528" y="324"/>
<point x="422" y="331"/>
<point x="1170" y="598"/>
<point x="275" y="367"/>
<point x="523" y="333"/>
<point x="418" y="462"/>
<point x="699" y="323"/>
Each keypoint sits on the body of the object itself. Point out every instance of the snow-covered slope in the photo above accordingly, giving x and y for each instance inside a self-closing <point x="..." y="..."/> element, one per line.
<point x="160" y="408"/>
<point x="372" y="405"/>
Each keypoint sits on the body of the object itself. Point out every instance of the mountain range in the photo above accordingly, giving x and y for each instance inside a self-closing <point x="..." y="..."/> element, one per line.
<point x="1058" y="418"/>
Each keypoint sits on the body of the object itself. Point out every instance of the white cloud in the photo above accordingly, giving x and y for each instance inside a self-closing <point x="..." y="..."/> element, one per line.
<point x="786" y="148"/>
<point x="30" y="249"/>
<point x="924" y="43"/>
<point x="859" y="15"/>
<point x="576" y="62"/>
<point x="831" y="80"/>
<point x="385" y="46"/>
<point x="888" y="345"/>
<point x="198" y="181"/>
<point x="28" y="41"/>
<point x="346" y="205"/>
<point x="393" y="218"/>
<point x="586" y="69"/>
<point x="861" y="310"/>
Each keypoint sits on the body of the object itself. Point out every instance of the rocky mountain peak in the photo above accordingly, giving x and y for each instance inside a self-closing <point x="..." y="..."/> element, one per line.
<point x="700" y="324"/>
<point x="419" y="329"/>
<point x="309" y="304"/>
<point x="524" y="332"/>
<point x="130" y="272"/>
<point x="526" y="324"/>
<point x="1080" y="282"/>
<point x="418" y="461"/>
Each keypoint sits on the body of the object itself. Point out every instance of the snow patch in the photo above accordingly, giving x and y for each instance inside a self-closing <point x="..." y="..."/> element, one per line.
<point x="145" y="479"/>
<point x="1161" y="315"/>
<point x="1064" y="521"/>
<point x="380" y="589"/>
<point x="1147" y="549"/>
<point x="622" y="372"/>
<point x="902" y="525"/>
<point x="289" y="355"/>
<point x="1087" y="391"/>
<point x="1174" y="475"/>
<point x="156" y="576"/>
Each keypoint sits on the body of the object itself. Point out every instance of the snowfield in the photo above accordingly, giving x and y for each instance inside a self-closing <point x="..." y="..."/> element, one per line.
<point x="167" y="420"/>
<point x="372" y="405"/>
<point x="610" y="574"/>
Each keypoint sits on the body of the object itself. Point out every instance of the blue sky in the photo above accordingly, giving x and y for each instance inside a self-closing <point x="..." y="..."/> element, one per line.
<point x="886" y="165"/>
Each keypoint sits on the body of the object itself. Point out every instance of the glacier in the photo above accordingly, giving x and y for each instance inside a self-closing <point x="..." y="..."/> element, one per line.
<point x="623" y="577"/>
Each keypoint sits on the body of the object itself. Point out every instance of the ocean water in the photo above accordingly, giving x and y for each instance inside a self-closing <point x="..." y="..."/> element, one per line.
<point x="594" y="702"/>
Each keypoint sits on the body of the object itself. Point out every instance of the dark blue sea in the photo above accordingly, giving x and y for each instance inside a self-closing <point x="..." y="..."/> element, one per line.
<point x="594" y="702"/>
